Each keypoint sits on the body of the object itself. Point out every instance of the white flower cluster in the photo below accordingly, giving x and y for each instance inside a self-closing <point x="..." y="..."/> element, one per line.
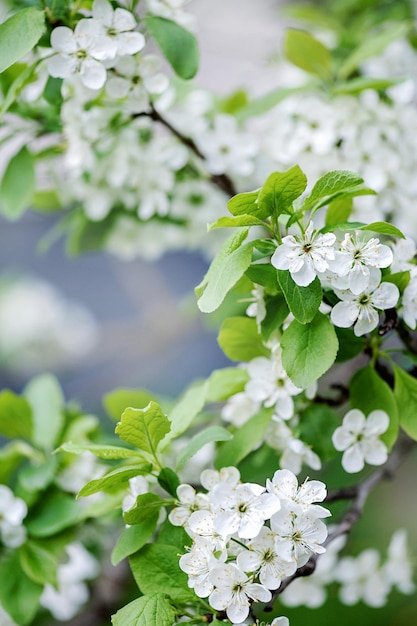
<point x="72" y="592"/>
<point x="236" y="556"/>
<point x="270" y="386"/>
<point x="351" y="267"/>
<point x="361" y="133"/>
<point x="361" y="578"/>
<point x="95" y="44"/>
<point x="13" y="511"/>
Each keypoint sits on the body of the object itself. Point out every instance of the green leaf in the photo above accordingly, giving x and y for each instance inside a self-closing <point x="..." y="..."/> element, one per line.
<point x="338" y="211"/>
<point x="308" y="350"/>
<point x="239" y="339"/>
<point x="47" y="401"/>
<point x="372" y="46"/>
<point x="236" y="222"/>
<point x="178" y="45"/>
<point x="102" y="451"/>
<point x="331" y="186"/>
<point x="169" y="481"/>
<point x="15" y="416"/>
<point x="19" y="34"/>
<point x="265" y="103"/>
<point x="144" y="428"/>
<point x="150" y="610"/>
<point x="54" y="513"/>
<point x="19" y="595"/>
<point x="349" y="345"/>
<point x="184" y="412"/>
<point x="235" y="102"/>
<point x="227" y="267"/>
<point x="317" y="425"/>
<point x="115" y="478"/>
<point x="173" y="536"/>
<point x="405" y="392"/>
<point x="401" y="279"/>
<point x="244" y="440"/>
<point x="12" y="455"/>
<point x="355" y="85"/>
<point x="384" y="228"/>
<point x="306" y="52"/>
<point x="279" y="192"/>
<point x="226" y="382"/>
<point x="146" y="506"/>
<point x="52" y="92"/>
<point x="303" y="302"/>
<point x="276" y="312"/>
<point x="245" y="204"/>
<point x="18" y="184"/>
<point x="35" y="477"/>
<point x="263" y="274"/>
<point x="135" y="537"/>
<point x="118" y="400"/>
<point x="209" y="435"/>
<point x="368" y="392"/>
<point x="46" y="201"/>
<point x="38" y="563"/>
<point x="156" y="567"/>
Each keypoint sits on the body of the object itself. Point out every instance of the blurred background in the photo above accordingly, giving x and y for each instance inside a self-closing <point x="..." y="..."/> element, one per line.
<point x="99" y="323"/>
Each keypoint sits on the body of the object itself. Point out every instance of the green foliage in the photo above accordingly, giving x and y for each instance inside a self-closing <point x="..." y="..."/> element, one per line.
<point x="19" y="34"/>
<point x="245" y="204"/>
<point x="146" y="506"/>
<point x="349" y="345"/>
<point x="115" y="478"/>
<point x="169" y="480"/>
<point x="115" y="402"/>
<point x="154" y="608"/>
<point x="226" y="269"/>
<point x="18" y="184"/>
<point x="401" y="279"/>
<point x="45" y="396"/>
<point x="263" y="274"/>
<point x="368" y="392"/>
<point x="308" y="53"/>
<point x="276" y="312"/>
<point x="209" y="435"/>
<point x="156" y="567"/>
<point x="102" y="451"/>
<point x="280" y="190"/>
<point x="244" y="440"/>
<point x="225" y="383"/>
<point x="384" y="228"/>
<point x="317" y="425"/>
<point x="144" y="428"/>
<point x="19" y="595"/>
<point x="15" y="416"/>
<point x="405" y="391"/>
<point x="53" y="513"/>
<point x="338" y="211"/>
<point x="184" y="412"/>
<point x="135" y="537"/>
<point x="309" y="350"/>
<point x="38" y="563"/>
<point x="239" y="339"/>
<point x="178" y="45"/>
<point x="335" y="185"/>
<point x="303" y="302"/>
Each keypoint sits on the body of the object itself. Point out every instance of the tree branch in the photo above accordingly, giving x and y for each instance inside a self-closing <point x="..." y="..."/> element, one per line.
<point x="359" y="494"/>
<point x="220" y="180"/>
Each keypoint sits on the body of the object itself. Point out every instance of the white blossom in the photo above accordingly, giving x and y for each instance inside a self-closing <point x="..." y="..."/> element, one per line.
<point x="13" y="511"/>
<point x="117" y="25"/>
<point x="189" y="501"/>
<point x="240" y="408"/>
<point x="408" y="307"/>
<point x="362" y="579"/>
<point x="355" y="258"/>
<point x="298" y="498"/>
<point x="298" y="536"/>
<point x="359" y="438"/>
<point x="234" y="590"/>
<point x="82" y="52"/>
<point x="294" y="451"/>
<point x="398" y="569"/>
<point x="136" y="78"/>
<point x="362" y="309"/>
<point x="198" y="563"/>
<point x="305" y="255"/>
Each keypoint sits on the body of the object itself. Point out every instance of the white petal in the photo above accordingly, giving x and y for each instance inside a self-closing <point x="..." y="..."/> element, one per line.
<point x="123" y="20"/>
<point x="386" y="296"/>
<point x="280" y="258"/>
<point x="93" y="74"/>
<point x="368" y="320"/>
<point x="103" y="12"/>
<point x="376" y="452"/>
<point x="62" y="39"/>
<point x="377" y="423"/>
<point x="305" y="275"/>
<point x="352" y="460"/>
<point x="60" y="66"/>
<point x="344" y="314"/>
<point x="129" y="43"/>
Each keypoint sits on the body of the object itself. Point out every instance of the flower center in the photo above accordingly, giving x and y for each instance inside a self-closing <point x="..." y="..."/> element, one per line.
<point x="364" y="299"/>
<point x="243" y="507"/>
<point x="81" y="54"/>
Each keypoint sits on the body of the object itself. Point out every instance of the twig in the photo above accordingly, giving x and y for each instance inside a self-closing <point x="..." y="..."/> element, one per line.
<point x="220" y="180"/>
<point x="360" y="494"/>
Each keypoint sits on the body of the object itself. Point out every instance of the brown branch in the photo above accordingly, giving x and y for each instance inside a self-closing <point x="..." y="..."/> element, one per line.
<point x="220" y="180"/>
<point x="359" y="494"/>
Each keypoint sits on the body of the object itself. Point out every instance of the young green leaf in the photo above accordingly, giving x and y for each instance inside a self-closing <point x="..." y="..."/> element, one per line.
<point x="244" y="440"/>
<point x="54" y="513"/>
<point x="308" y="53"/>
<point x="209" y="435"/>
<point x="237" y="222"/>
<point x="349" y="345"/>
<point x="115" y="478"/>
<point x="135" y="537"/>
<point x="45" y="396"/>
<point x="263" y="274"/>
<point x="303" y="302"/>
<point x="19" y="595"/>
<point x="226" y="382"/>
<point x="38" y="563"/>
<point x="102" y="451"/>
<point x="15" y="416"/>
<point x="368" y="392"/>
<point x="178" y="45"/>
<point x="405" y="392"/>
<point x="317" y="425"/>
<point x="331" y="186"/>
<point x="226" y="269"/>
<point x="338" y="211"/>
<point x="18" y="184"/>
<point x="19" y="35"/>
<point x="115" y="402"/>
<point x="148" y="610"/>
<point x="145" y="506"/>
<point x="239" y="339"/>
<point x="309" y="350"/>
<point x="384" y="228"/>
<point x="276" y="312"/>
<point x="244" y="203"/>
<point x="144" y="428"/>
<point x="187" y="408"/>
<point x="156" y="567"/>
<point x="279" y="192"/>
<point x="169" y="481"/>
<point x="401" y="279"/>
